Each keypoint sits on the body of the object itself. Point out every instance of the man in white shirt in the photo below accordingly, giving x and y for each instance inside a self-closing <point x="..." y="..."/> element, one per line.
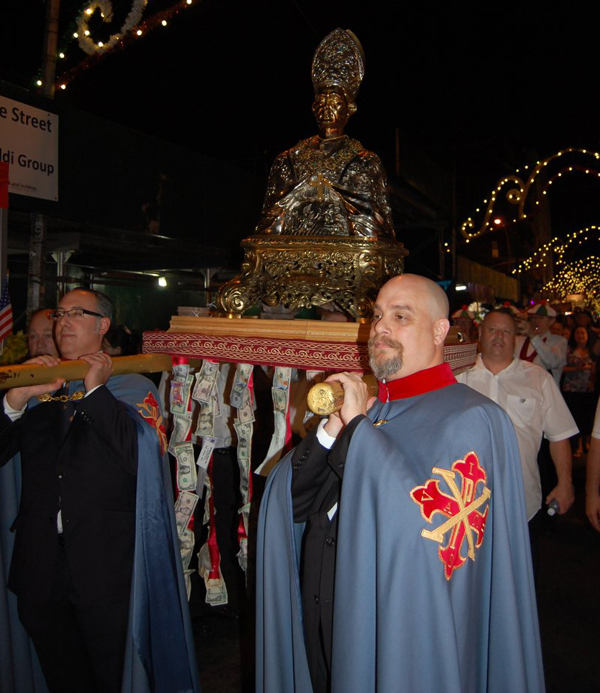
<point x="534" y="404"/>
<point x="538" y="345"/>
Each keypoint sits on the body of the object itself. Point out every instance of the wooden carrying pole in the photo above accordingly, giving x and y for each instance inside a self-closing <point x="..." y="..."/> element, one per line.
<point x="323" y="398"/>
<point x="29" y="374"/>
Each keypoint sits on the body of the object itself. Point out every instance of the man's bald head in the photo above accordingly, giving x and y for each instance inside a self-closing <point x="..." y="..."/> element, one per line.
<point x="433" y="295"/>
<point x="409" y="327"/>
<point x="40" y="337"/>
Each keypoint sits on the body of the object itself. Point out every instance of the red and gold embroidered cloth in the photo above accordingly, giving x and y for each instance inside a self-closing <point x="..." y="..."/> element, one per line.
<point x="307" y="353"/>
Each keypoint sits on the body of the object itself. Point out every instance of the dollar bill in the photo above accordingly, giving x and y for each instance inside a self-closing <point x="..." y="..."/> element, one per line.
<point x="176" y="395"/>
<point x="216" y="590"/>
<point x="181" y="370"/>
<point x="216" y="403"/>
<point x="244" y="434"/>
<point x="180" y="388"/>
<point x="281" y="378"/>
<point x="180" y="395"/>
<point x="182" y="424"/>
<point x="280" y="399"/>
<point x="186" y="547"/>
<point x="207" y="496"/>
<point x="187" y="477"/>
<point x="242" y="555"/>
<point x="246" y="412"/>
<point x="206" y="380"/>
<point x="184" y="509"/>
<point x="239" y="390"/>
<point x="206" y="420"/>
<point x="244" y="452"/>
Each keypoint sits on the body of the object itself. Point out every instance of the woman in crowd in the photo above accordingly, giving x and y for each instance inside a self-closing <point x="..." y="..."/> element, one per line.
<point x="578" y="387"/>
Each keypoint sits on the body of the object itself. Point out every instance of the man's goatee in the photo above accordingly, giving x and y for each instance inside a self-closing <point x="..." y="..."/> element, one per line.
<point x="383" y="370"/>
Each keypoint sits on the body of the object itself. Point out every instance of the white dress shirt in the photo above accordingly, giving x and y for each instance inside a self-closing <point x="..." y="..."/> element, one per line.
<point x="532" y="400"/>
<point x="551" y="352"/>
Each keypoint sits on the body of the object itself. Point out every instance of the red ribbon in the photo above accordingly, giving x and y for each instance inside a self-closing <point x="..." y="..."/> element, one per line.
<point x="523" y="355"/>
<point x="213" y="546"/>
<point x="212" y="540"/>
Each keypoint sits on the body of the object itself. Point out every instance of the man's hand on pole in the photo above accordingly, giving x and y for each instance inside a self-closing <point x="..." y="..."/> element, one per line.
<point x="356" y="401"/>
<point x="18" y="397"/>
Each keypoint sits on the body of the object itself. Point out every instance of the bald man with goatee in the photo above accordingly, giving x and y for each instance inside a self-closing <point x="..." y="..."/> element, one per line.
<point x="393" y="546"/>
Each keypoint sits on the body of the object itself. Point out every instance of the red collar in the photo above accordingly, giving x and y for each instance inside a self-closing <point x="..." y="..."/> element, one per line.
<point x="417" y="384"/>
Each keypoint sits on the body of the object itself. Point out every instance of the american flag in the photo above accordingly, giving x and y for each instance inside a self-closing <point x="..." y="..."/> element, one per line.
<point x="6" y="316"/>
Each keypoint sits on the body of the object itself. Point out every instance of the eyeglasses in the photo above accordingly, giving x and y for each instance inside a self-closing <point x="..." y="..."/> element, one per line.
<point x="76" y="313"/>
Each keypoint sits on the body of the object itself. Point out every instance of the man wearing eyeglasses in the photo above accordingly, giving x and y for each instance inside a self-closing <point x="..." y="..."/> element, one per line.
<point x="77" y="529"/>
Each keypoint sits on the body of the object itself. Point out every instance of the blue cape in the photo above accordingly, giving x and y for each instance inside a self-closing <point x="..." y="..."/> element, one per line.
<point x="160" y="648"/>
<point x="281" y="663"/>
<point x="160" y="653"/>
<point x="20" y="670"/>
<point x="399" y="623"/>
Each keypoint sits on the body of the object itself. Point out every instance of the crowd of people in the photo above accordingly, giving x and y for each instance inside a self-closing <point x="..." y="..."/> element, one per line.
<point x="579" y="383"/>
<point x="565" y="343"/>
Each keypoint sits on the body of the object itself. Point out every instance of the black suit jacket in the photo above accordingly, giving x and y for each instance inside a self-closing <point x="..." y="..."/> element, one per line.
<point x="317" y="475"/>
<point x="90" y="473"/>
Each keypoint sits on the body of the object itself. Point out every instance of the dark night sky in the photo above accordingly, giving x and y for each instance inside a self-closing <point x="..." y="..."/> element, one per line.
<point x="483" y="87"/>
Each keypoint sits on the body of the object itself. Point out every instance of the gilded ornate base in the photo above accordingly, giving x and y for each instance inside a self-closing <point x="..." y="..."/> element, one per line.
<point x="300" y="272"/>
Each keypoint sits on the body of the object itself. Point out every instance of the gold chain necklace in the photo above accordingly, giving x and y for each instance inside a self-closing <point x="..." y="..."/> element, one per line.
<point x="62" y="398"/>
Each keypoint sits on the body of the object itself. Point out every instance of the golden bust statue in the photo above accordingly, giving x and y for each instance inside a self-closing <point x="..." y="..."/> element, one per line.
<point x="329" y="184"/>
<point x="326" y="234"/>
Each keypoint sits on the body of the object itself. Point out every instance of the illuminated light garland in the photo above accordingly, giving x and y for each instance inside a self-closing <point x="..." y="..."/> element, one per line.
<point x="130" y="30"/>
<point x="518" y="190"/>
<point x="86" y="43"/>
<point x="578" y="277"/>
<point x="559" y="247"/>
<point x="106" y="12"/>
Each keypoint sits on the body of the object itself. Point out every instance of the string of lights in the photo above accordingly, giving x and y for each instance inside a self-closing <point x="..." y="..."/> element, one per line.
<point x="559" y="248"/>
<point x="104" y="7"/>
<point x="578" y="277"/>
<point x="132" y="29"/>
<point x="517" y="191"/>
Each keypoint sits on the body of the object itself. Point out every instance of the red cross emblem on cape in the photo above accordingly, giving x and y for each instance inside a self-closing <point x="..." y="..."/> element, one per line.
<point x="150" y="410"/>
<point x="464" y="509"/>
